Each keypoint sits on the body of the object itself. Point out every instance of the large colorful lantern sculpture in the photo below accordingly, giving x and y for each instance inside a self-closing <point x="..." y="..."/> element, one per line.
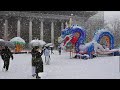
<point x="77" y="35"/>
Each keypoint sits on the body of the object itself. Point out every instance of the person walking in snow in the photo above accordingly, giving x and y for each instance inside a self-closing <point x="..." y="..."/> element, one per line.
<point x="51" y="50"/>
<point x="47" y="55"/>
<point x="33" y="51"/>
<point x="59" y="49"/>
<point x="37" y="63"/>
<point x="6" y="54"/>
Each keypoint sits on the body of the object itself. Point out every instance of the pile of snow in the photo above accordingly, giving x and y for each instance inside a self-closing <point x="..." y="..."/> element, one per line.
<point x="62" y="67"/>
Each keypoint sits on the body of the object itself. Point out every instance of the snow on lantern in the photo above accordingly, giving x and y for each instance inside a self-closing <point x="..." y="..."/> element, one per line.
<point x="19" y="43"/>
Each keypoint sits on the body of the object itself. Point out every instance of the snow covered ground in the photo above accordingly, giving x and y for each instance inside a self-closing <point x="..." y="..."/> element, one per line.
<point x="62" y="67"/>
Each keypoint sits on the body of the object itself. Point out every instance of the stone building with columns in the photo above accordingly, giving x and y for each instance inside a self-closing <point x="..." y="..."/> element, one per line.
<point x="44" y="25"/>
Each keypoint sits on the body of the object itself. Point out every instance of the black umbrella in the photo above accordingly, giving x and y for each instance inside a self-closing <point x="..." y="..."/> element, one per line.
<point x="7" y="43"/>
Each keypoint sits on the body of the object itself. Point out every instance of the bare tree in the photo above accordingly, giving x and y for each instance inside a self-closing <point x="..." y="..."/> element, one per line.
<point x="114" y="27"/>
<point x="92" y="26"/>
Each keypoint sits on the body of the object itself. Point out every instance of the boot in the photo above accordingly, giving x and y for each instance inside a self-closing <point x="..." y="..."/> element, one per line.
<point x="37" y="77"/>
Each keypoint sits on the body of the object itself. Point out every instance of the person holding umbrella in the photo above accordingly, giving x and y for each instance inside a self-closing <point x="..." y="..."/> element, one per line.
<point x="37" y="63"/>
<point x="6" y="54"/>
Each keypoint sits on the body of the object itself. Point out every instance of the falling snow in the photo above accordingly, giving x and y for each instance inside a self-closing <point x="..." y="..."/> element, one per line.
<point x="100" y="67"/>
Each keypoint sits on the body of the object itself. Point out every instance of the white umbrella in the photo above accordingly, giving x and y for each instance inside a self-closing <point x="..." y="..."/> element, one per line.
<point x="37" y="42"/>
<point x="17" y="40"/>
<point x="42" y="42"/>
<point x="7" y="43"/>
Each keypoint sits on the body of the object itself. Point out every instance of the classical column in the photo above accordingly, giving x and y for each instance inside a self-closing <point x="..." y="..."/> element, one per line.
<point x="52" y="31"/>
<point x="41" y="29"/>
<point x="30" y="29"/>
<point x="18" y="27"/>
<point x="6" y="29"/>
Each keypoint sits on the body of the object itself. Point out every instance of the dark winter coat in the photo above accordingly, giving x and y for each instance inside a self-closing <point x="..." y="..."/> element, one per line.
<point x="6" y="54"/>
<point x="37" y="60"/>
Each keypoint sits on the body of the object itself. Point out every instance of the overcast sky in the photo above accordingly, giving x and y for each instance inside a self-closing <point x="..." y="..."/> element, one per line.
<point x="108" y="15"/>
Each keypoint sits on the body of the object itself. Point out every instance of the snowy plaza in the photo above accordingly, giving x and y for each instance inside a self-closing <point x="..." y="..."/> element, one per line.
<point x="85" y="45"/>
<point x="62" y="67"/>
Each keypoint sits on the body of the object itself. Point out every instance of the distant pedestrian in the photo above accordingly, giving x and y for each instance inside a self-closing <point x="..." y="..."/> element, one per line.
<point x="47" y="55"/>
<point x="51" y="50"/>
<point x="59" y="49"/>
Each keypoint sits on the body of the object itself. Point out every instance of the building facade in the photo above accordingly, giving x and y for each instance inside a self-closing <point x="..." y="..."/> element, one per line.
<point x="44" y="25"/>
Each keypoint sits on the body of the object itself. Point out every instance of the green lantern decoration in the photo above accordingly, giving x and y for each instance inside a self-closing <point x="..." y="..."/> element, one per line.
<point x="19" y="43"/>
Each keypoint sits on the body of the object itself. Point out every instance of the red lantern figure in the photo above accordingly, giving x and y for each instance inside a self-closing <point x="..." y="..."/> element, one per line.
<point x="66" y="39"/>
<point x="74" y="40"/>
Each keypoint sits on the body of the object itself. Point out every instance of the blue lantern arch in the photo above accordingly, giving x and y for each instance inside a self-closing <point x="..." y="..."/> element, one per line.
<point x="100" y="34"/>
